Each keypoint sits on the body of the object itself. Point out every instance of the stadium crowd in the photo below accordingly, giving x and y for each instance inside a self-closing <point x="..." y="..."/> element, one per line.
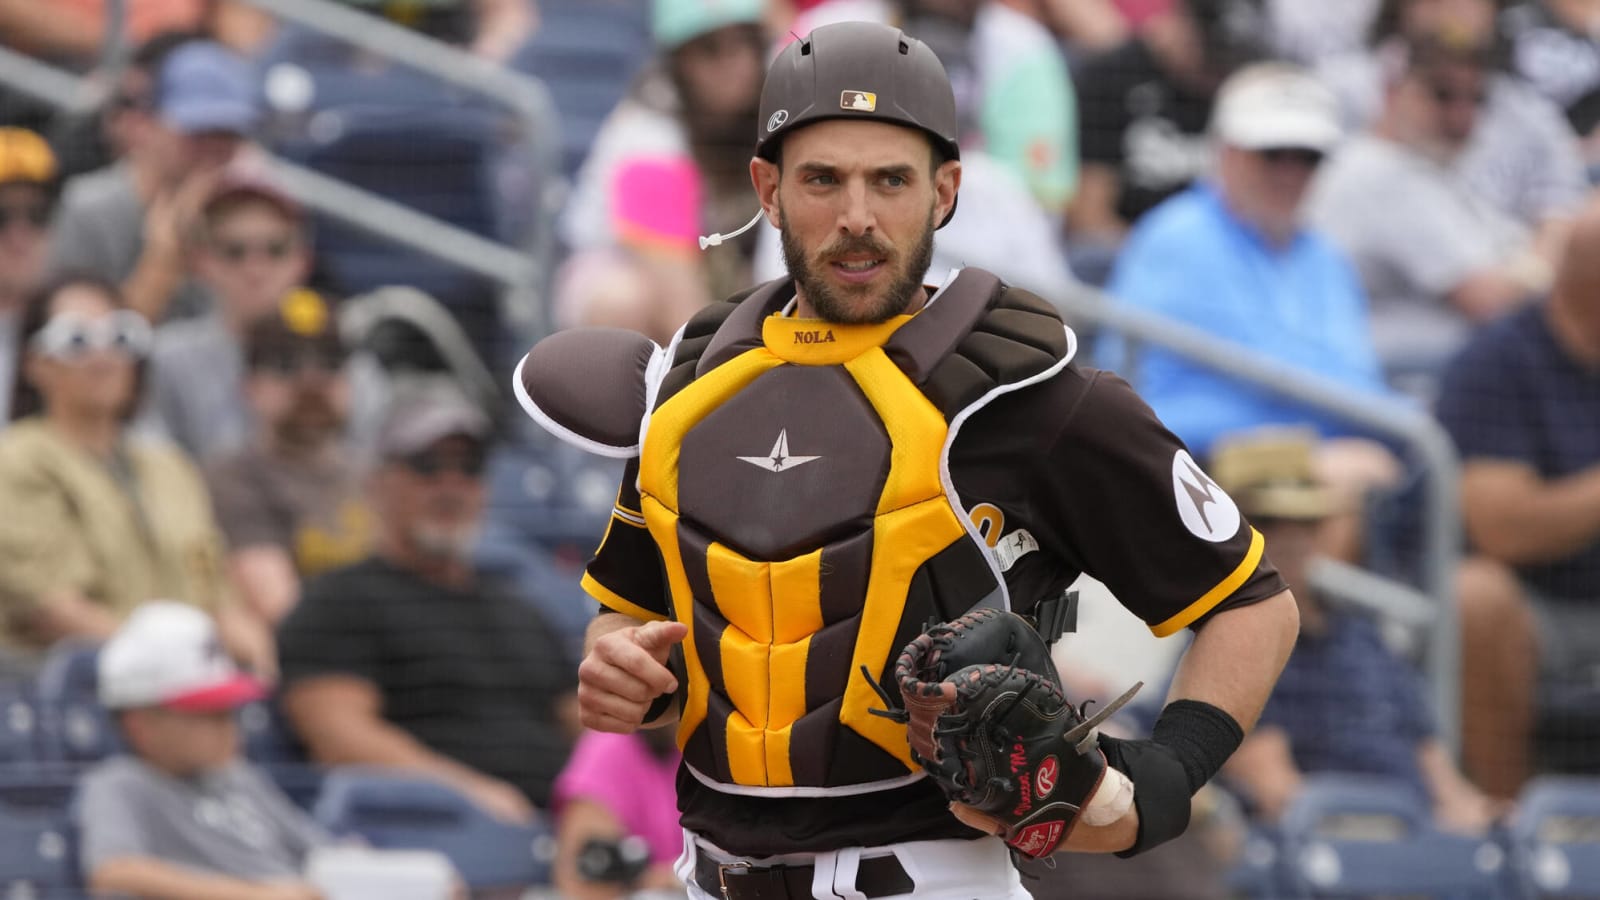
<point x="253" y="460"/>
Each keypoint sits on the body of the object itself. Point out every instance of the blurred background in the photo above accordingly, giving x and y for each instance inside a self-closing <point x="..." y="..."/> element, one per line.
<point x="266" y="268"/>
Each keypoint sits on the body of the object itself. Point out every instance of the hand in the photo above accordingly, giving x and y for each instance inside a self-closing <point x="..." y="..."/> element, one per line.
<point x="501" y="800"/>
<point x="286" y="890"/>
<point x="624" y="673"/>
<point x="1467" y="810"/>
<point x="173" y="215"/>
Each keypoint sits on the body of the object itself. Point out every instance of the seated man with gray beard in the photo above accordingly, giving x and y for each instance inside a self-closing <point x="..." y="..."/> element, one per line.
<point x="409" y="659"/>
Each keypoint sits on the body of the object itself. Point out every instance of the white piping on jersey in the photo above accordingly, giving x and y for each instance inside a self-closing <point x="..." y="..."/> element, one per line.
<point x="960" y="419"/>
<point x="562" y="431"/>
<point x="844" y="790"/>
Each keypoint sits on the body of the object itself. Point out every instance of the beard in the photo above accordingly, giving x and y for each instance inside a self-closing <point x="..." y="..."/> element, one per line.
<point x="855" y="304"/>
<point x="312" y="420"/>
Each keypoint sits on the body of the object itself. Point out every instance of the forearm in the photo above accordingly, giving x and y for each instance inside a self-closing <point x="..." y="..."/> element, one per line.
<point x="1219" y="690"/>
<point x="154" y="279"/>
<point x="341" y="739"/>
<point x="67" y="613"/>
<point x="154" y="879"/>
<point x="1541" y="522"/>
<point x="1236" y="658"/>
<point x="47" y="28"/>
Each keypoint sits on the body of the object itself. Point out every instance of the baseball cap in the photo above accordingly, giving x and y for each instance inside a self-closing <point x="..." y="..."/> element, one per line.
<point x="1272" y="106"/>
<point x="238" y="181"/>
<point x="302" y="322"/>
<point x="167" y="654"/>
<point x="424" y="414"/>
<point x="26" y="158"/>
<point x="1269" y="473"/>
<point x="203" y="87"/>
<point x="674" y="23"/>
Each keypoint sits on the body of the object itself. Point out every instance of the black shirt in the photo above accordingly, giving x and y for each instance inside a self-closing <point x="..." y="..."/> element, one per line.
<point x="1137" y="120"/>
<point x="473" y="674"/>
<point x="1071" y="475"/>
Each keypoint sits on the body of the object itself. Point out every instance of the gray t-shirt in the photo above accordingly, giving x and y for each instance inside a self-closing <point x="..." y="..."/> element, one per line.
<point x="1415" y="230"/>
<point x="231" y="822"/>
<point x="194" y="391"/>
<point x="99" y="230"/>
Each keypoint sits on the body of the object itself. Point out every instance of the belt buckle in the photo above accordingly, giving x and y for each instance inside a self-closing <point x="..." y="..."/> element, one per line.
<point x="722" y="875"/>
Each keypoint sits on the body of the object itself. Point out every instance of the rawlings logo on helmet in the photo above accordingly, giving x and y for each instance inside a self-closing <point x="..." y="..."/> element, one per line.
<point x="776" y="120"/>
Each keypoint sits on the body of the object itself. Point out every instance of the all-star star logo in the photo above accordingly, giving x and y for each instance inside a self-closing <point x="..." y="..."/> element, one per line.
<point x="779" y="459"/>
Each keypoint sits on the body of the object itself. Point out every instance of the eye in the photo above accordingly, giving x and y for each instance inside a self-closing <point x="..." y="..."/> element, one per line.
<point x="822" y="179"/>
<point x="895" y="181"/>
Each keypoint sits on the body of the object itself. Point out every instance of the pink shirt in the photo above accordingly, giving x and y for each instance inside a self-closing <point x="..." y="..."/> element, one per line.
<point x="620" y="773"/>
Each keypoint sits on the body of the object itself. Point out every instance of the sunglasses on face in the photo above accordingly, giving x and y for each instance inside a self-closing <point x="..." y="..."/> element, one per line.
<point x="34" y="214"/>
<point x="431" y="463"/>
<point x="290" y="365"/>
<point x="1297" y="156"/>
<point x="71" y="337"/>
<point x="235" y="252"/>
<point x="1445" y="95"/>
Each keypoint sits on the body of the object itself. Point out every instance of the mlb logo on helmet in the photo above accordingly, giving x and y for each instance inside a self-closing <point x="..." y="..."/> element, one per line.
<point x="859" y="101"/>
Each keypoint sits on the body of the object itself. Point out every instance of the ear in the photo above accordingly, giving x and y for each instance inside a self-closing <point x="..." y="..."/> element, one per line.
<point x="946" y="183"/>
<point x="765" y="176"/>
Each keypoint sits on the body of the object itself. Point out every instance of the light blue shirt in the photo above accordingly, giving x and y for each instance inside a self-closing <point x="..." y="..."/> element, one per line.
<point x="1192" y="260"/>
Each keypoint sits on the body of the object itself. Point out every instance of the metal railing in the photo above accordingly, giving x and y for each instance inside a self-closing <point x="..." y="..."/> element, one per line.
<point x="522" y="95"/>
<point x="1434" y="451"/>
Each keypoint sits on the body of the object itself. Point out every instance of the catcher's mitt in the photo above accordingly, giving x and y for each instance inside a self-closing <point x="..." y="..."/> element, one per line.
<point x="987" y="719"/>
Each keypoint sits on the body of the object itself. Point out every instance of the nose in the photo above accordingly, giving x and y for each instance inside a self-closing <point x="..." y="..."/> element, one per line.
<point x="856" y="218"/>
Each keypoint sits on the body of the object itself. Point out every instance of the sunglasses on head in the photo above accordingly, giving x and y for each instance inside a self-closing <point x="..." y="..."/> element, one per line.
<point x="1298" y="156"/>
<point x="34" y="214"/>
<point x="236" y="252"/>
<point x="71" y="337"/>
<point x="429" y="463"/>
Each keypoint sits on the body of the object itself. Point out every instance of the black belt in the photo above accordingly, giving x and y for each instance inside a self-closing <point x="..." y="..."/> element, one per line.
<point x="877" y="876"/>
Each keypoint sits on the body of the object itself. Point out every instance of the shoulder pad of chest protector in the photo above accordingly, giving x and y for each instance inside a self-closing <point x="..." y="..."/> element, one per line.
<point x="588" y="386"/>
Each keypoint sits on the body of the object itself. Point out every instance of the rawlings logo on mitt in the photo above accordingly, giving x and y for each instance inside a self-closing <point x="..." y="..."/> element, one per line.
<point x="987" y="719"/>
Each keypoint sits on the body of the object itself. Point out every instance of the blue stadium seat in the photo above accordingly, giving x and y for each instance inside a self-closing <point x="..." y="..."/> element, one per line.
<point x="395" y="811"/>
<point x="301" y="782"/>
<point x="1555" y="838"/>
<point x="266" y="736"/>
<point x="74" y="726"/>
<point x="1356" y="836"/>
<point x="587" y="53"/>
<point x="38" y="854"/>
<point x="19" y="726"/>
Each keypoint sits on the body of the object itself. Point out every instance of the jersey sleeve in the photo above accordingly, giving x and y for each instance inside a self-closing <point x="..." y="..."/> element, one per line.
<point x="626" y="574"/>
<point x="1128" y="505"/>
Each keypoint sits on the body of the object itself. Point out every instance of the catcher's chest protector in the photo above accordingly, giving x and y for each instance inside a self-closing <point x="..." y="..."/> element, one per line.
<point x="794" y="474"/>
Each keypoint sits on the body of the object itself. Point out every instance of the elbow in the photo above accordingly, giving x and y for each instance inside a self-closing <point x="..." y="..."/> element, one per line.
<point x="1507" y="540"/>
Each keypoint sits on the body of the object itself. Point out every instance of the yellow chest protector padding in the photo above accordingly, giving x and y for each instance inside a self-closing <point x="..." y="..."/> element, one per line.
<point x="792" y="476"/>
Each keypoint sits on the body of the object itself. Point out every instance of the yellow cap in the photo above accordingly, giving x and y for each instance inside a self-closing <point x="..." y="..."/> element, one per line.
<point x="305" y="312"/>
<point x="24" y="156"/>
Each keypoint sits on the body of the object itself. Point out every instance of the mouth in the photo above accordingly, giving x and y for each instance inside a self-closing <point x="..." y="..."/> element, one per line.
<point x="856" y="271"/>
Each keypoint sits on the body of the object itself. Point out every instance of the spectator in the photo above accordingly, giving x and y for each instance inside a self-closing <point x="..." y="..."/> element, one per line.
<point x="129" y="222"/>
<point x="144" y="18"/>
<point x="1522" y="156"/>
<point x="1309" y="33"/>
<point x="1434" y="254"/>
<point x="1554" y="48"/>
<point x="618" y="786"/>
<point x="1230" y="256"/>
<point x="250" y="250"/>
<point x="408" y="659"/>
<point x="493" y="29"/>
<point x="98" y="520"/>
<point x="1345" y="702"/>
<point x="289" y="502"/>
<point x="697" y="99"/>
<point x="182" y="814"/>
<point x="1144" y="111"/>
<point x="47" y="30"/>
<point x="1522" y="402"/>
<point x="27" y="200"/>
